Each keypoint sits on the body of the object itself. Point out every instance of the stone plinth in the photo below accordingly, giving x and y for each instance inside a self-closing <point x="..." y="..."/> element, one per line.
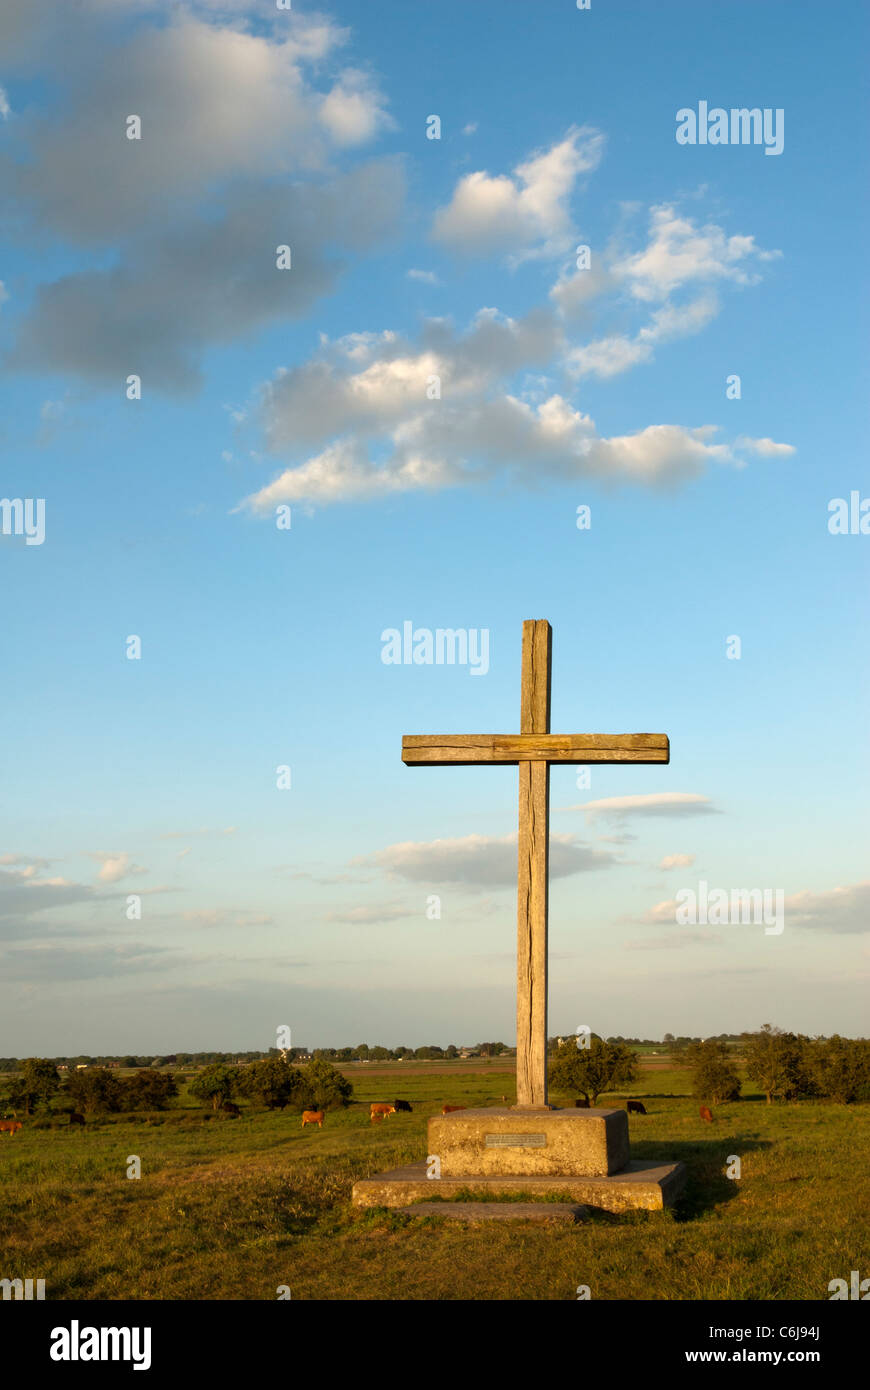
<point x="641" y="1186"/>
<point x="544" y="1143"/>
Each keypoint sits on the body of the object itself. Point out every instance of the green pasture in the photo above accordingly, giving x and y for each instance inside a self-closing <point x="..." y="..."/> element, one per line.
<point x="229" y="1209"/>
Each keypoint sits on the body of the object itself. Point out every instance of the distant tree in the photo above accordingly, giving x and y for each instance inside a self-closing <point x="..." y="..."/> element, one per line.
<point x="214" y="1084"/>
<point x="148" y="1090"/>
<point x="840" y="1067"/>
<point x="714" y="1075"/>
<point x="38" y="1082"/>
<point x="379" y="1054"/>
<point x="778" y="1063"/>
<point x="668" y="1038"/>
<point x="451" y="1051"/>
<point x="590" y="1071"/>
<point x="320" y="1086"/>
<point x="271" y="1082"/>
<point x="423" y="1054"/>
<point x="344" y="1054"/>
<point x="95" y="1091"/>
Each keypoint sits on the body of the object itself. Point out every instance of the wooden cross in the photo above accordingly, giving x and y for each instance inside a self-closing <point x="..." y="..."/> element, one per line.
<point x="533" y="750"/>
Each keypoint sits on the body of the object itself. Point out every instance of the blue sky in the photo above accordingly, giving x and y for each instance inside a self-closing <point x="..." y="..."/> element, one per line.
<point x="415" y="258"/>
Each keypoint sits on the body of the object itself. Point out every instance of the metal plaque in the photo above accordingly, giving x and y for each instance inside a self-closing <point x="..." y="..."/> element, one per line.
<point x="516" y="1141"/>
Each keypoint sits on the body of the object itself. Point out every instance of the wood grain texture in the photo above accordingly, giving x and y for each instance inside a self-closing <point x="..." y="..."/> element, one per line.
<point x="458" y="750"/>
<point x="532" y="751"/>
<point x="532" y="883"/>
<point x="533" y="844"/>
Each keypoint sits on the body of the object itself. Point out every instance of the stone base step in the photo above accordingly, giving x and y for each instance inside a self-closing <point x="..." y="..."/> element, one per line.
<point x="641" y="1186"/>
<point x="565" y="1213"/>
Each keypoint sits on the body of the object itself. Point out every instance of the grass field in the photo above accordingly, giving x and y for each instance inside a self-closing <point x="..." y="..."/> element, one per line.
<point x="231" y="1209"/>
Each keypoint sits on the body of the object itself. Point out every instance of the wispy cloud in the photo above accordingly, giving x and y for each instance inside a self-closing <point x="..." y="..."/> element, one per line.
<point x="479" y="861"/>
<point x="646" y="804"/>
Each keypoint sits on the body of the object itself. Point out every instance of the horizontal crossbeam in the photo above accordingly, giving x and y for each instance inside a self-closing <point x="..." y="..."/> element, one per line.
<point x="441" y="750"/>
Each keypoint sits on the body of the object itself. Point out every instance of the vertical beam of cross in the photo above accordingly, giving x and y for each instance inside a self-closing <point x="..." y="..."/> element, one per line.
<point x="533" y="849"/>
<point x="532" y="751"/>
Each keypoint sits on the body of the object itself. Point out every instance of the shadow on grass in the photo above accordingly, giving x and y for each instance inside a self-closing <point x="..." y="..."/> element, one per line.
<point x="706" y="1160"/>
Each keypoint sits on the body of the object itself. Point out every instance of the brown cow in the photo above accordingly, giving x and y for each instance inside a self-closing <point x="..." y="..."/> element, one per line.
<point x="635" y="1107"/>
<point x="380" y="1108"/>
<point x="228" y="1108"/>
<point x="312" y="1117"/>
<point x="75" y="1118"/>
<point x="706" y="1114"/>
<point x="448" y="1109"/>
<point x="10" y="1126"/>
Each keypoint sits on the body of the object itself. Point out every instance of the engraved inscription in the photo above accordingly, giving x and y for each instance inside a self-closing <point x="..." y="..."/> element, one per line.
<point x="516" y="1141"/>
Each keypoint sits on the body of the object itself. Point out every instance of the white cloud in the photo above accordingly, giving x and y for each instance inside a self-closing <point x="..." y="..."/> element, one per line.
<point x="216" y="104"/>
<point x="5" y="108"/>
<point x="572" y="293"/>
<point x="647" y="804"/>
<point x="526" y="213"/>
<point x="115" y="867"/>
<point x="464" y="447"/>
<point x="766" y="448"/>
<point x="23" y="892"/>
<point x="367" y="395"/>
<point x="680" y="252"/>
<point x="609" y="356"/>
<point x="353" y="110"/>
<point x="481" y="860"/>
<point x="677" y="861"/>
<point x="428" y="277"/>
<point x="207" y="282"/>
<point x="840" y="910"/>
<point x="239" y="134"/>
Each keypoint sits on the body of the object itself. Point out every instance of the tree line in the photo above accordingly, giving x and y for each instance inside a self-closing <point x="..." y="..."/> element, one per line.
<point x="363" y="1052"/>
<point x="316" y="1085"/>
<point x="784" y="1066"/>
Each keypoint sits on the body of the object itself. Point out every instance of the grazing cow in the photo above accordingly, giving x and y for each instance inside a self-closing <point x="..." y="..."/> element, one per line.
<point x="10" y="1126"/>
<point x="403" y="1105"/>
<point x="447" y="1109"/>
<point x="635" y="1107"/>
<point x="706" y="1114"/>
<point x="232" y="1110"/>
<point x="380" y="1108"/>
<point x="312" y="1117"/>
<point x="582" y="1103"/>
<point x="75" y="1118"/>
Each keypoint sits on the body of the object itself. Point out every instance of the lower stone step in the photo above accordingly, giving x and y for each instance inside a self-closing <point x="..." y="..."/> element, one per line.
<point x="566" y="1213"/>
<point x="640" y="1185"/>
